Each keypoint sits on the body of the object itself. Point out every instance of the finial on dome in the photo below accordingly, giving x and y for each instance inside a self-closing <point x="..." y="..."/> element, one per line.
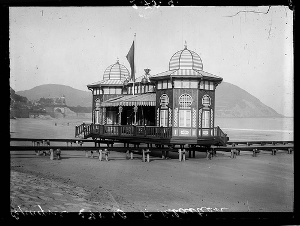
<point x="185" y="45"/>
<point x="117" y="60"/>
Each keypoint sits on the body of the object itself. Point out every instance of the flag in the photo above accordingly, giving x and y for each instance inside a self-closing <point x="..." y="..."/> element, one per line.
<point x="130" y="58"/>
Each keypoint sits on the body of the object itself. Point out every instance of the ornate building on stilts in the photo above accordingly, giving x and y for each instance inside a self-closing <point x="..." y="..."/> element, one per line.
<point x="173" y="107"/>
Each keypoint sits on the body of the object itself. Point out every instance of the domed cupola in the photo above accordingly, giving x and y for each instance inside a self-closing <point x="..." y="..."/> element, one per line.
<point x="116" y="71"/>
<point x="185" y="59"/>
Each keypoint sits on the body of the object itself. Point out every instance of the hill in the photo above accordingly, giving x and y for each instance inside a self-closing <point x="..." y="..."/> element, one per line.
<point x="73" y="97"/>
<point x="231" y="101"/>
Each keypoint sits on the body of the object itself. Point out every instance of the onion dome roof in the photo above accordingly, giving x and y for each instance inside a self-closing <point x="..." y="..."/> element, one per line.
<point x="185" y="59"/>
<point x="116" y="71"/>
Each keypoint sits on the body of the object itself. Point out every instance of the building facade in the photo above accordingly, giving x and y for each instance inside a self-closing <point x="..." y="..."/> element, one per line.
<point x="178" y="103"/>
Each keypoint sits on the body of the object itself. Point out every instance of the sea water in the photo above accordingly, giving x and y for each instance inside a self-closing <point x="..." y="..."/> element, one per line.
<point x="237" y="129"/>
<point x="252" y="129"/>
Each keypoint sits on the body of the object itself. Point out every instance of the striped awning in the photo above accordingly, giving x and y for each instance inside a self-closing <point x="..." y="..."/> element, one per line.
<point x="148" y="99"/>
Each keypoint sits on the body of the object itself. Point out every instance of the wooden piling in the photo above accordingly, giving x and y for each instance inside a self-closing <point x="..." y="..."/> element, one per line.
<point x="100" y="154"/>
<point x="179" y="154"/>
<point x="51" y="154"/>
<point x="183" y="154"/>
<point x="143" y="155"/>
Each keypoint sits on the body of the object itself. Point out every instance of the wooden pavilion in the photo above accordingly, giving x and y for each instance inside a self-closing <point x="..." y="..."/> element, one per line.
<point x="173" y="107"/>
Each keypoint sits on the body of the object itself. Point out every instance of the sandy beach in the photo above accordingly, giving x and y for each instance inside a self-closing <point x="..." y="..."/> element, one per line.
<point x="76" y="183"/>
<point x="258" y="184"/>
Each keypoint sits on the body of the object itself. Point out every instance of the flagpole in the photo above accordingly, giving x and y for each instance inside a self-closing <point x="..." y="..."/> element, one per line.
<point x="134" y="50"/>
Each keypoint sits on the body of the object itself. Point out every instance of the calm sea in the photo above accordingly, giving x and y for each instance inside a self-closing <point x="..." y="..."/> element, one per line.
<point x="238" y="129"/>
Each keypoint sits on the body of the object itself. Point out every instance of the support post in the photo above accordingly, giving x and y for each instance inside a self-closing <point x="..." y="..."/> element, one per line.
<point x="208" y="154"/>
<point x="127" y="154"/>
<point x="194" y="154"/>
<point x="233" y="153"/>
<point x="131" y="155"/>
<point x="51" y="154"/>
<point x="190" y="154"/>
<point x="254" y="152"/>
<point x="183" y="154"/>
<point x="100" y="154"/>
<point x="106" y="152"/>
<point x="58" y="152"/>
<point x="179" y="152"/>
<point x="86" y="154"/>
<point x="143" y="155"/>
<point x="148" y="155"/>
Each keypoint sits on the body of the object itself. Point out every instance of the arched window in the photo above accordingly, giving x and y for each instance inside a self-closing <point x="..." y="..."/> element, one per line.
<point x="185" y="101"/>
<point x="206" y="101"/>
<point x="164" y="100"/>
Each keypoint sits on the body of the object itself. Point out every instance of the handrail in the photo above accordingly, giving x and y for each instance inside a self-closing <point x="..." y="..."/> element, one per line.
<point x="137" y="131"/>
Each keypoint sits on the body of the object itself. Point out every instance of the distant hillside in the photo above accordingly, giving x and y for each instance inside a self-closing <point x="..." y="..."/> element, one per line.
<point x="231" y="101"/>
<point x="73" y="97"/>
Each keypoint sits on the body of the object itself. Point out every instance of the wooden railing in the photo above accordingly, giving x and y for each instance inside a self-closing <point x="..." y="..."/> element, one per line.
<point x="84" y="129"/>
<point x="138" y="131"/>
<point x="219" y="133"/>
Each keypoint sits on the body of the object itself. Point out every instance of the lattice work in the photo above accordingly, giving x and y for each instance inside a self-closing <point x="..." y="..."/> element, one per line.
<point x="211" y="118"/>
<point x="170" y="117"/>
<point x="157" y="117"/>
<point x="101" y="116"/>
<point x="104" y="116"/>
<point x="200" y="117"/>
<point x="194" y="117"/>
<point x="175" y="117"/>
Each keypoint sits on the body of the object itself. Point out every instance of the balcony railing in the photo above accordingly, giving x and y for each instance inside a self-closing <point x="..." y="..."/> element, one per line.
<point x="140" y="131"/>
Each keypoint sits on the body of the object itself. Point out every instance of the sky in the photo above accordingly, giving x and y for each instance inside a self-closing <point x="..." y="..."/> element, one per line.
<point x="251" y="47"/>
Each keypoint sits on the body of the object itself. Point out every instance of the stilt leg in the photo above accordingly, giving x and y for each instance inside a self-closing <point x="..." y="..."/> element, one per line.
<point x="100" y="155"/>
<point x="183" y="154"/>
<point x="58" y="154"/>
<point x="106" y="154"/>
<point x="148" y="155"/>
<point x="51" y="154"/>
<point x="143" y="155"/>
<point x="179" y="154"/>
<point x="163" y="153"/>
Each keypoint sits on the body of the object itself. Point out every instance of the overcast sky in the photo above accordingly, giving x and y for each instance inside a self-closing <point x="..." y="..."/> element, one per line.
<point x="74" y="45"/>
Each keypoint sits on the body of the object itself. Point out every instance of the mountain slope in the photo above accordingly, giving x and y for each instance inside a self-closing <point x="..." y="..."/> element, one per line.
<point x="231" y="101"/>
<point x="73" y="97"/>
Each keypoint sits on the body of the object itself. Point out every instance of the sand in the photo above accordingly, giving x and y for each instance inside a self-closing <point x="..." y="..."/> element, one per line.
<point x="263" y="183"/>
<point x="76" y="183"/>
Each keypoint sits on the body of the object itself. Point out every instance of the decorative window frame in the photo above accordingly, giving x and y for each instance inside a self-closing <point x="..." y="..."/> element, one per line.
<point x="206" y="100"/>
<point x="164" y="101"/>
<point x="185" y="100"/>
